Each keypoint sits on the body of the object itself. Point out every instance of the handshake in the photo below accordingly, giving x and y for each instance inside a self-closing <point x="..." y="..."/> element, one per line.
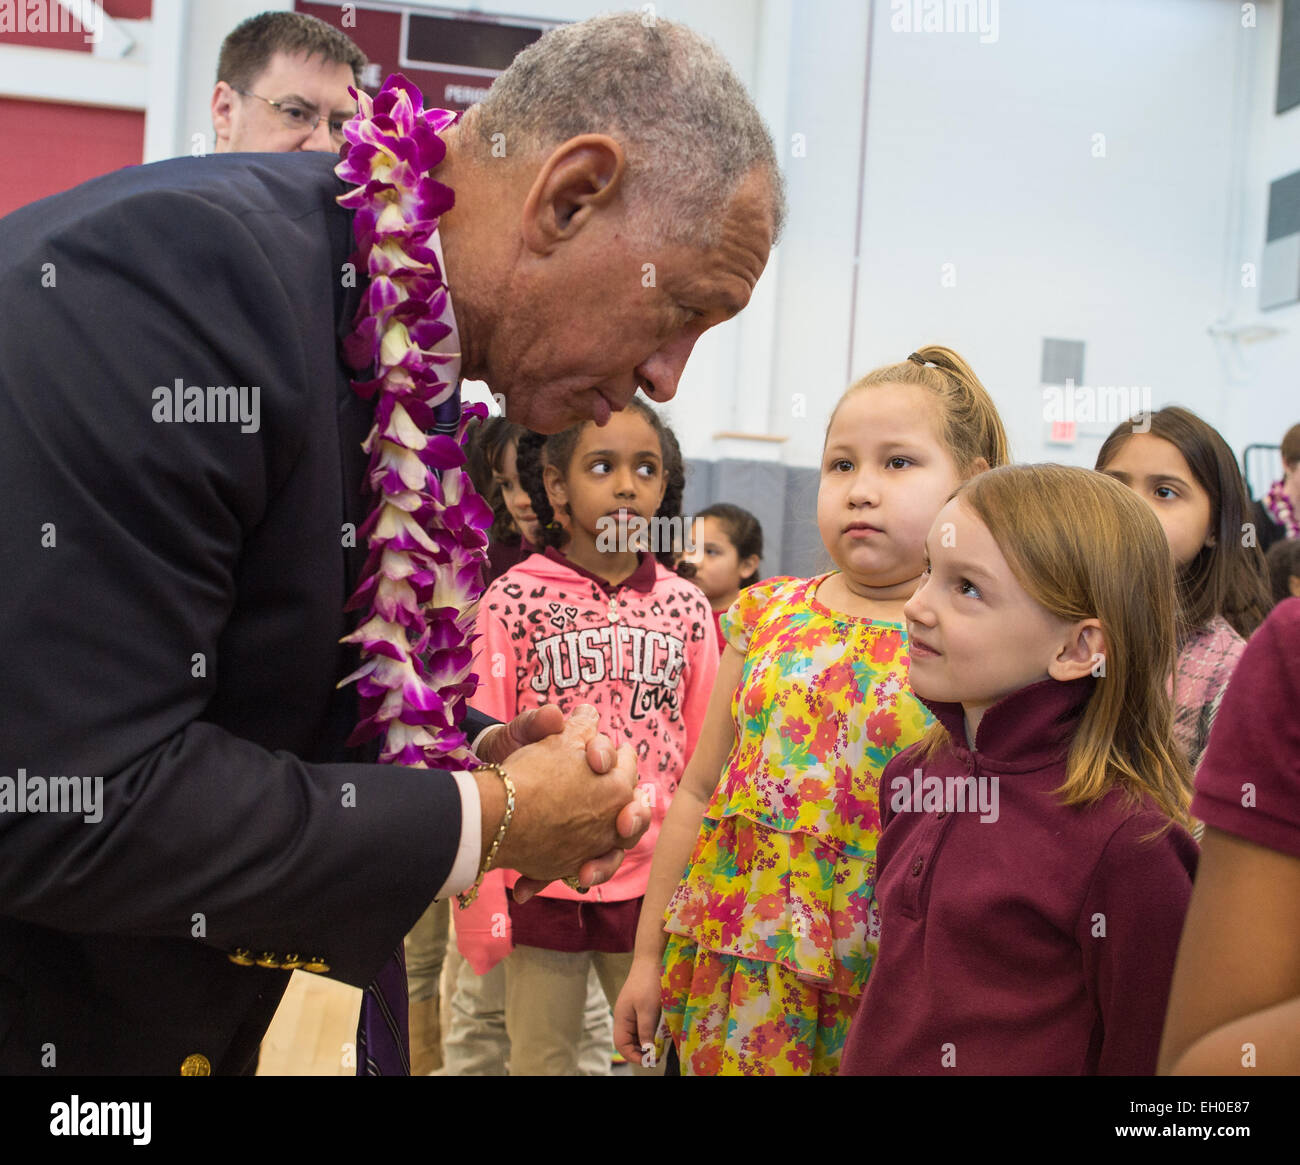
<point x="576" y="809"/>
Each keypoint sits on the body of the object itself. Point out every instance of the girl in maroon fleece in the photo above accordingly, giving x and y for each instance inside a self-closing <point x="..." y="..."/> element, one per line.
<point x="1034" y="867"/>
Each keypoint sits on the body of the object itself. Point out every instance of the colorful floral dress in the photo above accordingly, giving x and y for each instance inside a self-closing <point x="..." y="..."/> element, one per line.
<point x="773" y="930"/>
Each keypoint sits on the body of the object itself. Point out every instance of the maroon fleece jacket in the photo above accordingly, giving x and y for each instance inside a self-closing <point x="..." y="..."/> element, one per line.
<point x="1041" y="942"/>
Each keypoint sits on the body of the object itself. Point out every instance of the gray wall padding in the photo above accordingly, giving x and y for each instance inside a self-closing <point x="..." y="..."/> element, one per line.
<point x="784" y="500"/>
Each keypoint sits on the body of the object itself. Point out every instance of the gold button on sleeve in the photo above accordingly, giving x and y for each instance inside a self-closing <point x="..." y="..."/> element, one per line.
<point x="241" y="956"/>
<point x="196" y="1065"/>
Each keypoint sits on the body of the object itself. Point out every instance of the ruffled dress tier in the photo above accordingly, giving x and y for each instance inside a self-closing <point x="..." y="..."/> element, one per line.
<point x="773" y="929"/>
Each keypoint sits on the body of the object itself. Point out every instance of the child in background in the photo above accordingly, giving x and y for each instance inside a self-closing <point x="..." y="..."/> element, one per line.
<point x="728" y="545"/>
<point x="1186" y="473"/>
<point x="1283" y="560"/>
<point x="770" y="935"/>
<point x="599" y="621"/>
<point x="515" y="533"/>
<point x="475" y="1041"/>
<point x="1031" y="880"/>
<point x="1277" y="514"/>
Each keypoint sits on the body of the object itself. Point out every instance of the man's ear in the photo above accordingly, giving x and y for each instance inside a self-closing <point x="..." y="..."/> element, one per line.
<point x="581" y="176"/>
<point x="223" y="99"/>
<point x="1084" y="647"/>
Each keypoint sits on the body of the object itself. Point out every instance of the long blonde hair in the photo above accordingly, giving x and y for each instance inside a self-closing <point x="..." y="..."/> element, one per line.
<point x="1085" y="547"/>
<point x="970" y="427"/>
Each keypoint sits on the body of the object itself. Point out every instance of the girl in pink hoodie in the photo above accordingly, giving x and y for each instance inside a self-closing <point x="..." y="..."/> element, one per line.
<point x="593" y="618"/>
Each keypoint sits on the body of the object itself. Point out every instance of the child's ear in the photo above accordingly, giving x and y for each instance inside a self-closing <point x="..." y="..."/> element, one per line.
<point x="556" y="490"/>
<point x="1084" y="649"/>
<point x="747" y="566"/>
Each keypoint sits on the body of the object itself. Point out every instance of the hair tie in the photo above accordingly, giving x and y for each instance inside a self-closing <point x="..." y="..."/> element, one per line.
<point x="915" y="358"/>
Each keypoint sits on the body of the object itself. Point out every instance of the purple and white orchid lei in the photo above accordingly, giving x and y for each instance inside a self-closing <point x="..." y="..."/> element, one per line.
<point x="422" y="579"/>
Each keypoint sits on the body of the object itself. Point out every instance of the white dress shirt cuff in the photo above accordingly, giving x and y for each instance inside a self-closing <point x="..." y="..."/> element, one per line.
<point x="470" y="851"/>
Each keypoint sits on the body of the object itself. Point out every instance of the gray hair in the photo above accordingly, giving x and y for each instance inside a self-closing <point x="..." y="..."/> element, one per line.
<point x="690" y="131"/>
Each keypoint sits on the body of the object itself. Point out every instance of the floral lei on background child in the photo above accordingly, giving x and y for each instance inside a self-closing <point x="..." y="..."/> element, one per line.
<point x="423" y="576"/>
<point x="1278" y="503"/>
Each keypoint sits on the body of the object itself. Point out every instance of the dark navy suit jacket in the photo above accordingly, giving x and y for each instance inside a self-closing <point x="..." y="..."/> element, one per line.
<point x="172" y="604"/>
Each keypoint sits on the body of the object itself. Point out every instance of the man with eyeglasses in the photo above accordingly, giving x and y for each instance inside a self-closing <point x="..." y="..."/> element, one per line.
<point x="282" y="85"/>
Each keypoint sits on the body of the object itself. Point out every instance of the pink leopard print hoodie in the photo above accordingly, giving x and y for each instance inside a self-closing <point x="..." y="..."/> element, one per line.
<point x="644" y="653"/>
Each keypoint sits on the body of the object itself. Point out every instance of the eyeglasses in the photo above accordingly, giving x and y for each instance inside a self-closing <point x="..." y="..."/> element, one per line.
<point x="300" y="119"/>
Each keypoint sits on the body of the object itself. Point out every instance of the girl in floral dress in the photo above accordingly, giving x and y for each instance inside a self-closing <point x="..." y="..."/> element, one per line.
<point x="751" y="955"/>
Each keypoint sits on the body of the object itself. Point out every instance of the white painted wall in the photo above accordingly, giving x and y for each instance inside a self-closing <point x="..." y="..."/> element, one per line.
<point x="819" y="142"/>
<point x="1263" y="398"/>
<point x="982" y="155"/>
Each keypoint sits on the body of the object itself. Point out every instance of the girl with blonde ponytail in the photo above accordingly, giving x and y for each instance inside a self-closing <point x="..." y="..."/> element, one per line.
<point x="757" y="935"/>
<point x="969" y="425"/>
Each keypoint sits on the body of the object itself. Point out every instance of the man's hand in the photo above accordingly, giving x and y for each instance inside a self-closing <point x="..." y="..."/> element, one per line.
<point x="501" y="740"/>
<point x="568" y="815"/>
